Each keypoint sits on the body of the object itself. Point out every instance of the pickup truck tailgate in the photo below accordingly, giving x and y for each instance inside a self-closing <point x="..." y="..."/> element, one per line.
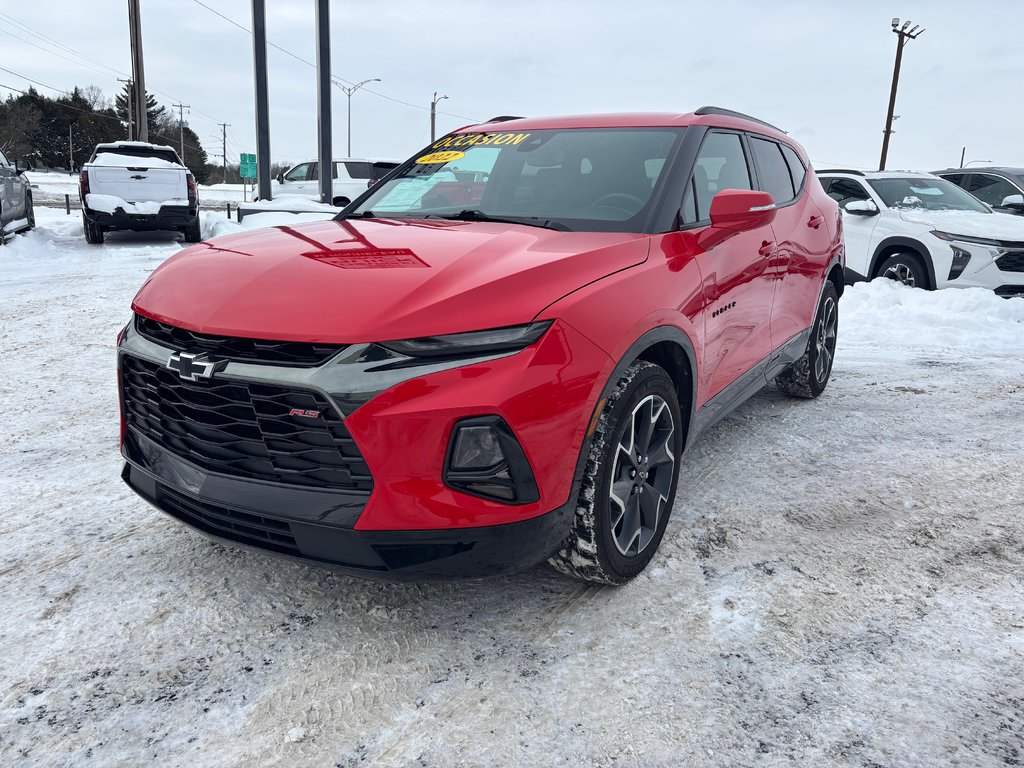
<point x="138" y="184"/>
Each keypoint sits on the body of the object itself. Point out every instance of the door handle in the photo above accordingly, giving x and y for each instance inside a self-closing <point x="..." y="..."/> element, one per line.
<point x="815" y="221"/>
<point x="767" y="248"/>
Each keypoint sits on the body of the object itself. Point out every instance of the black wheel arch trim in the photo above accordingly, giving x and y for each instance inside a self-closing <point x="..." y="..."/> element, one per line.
<point x="916" y="246"/>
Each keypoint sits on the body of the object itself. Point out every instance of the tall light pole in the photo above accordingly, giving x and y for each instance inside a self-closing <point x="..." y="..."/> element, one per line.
<point x="181" y="126"/>
<point x="433" y="115"/>
<point x="349" y="90"/>
<point x="903" y="33"/>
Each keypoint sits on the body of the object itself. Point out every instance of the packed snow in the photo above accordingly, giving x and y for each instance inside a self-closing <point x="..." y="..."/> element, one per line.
<point x="110" y="203"/>
<point x="840" y="583"/>
<point x="295" y="203"/>
<point x="115" y="160"/>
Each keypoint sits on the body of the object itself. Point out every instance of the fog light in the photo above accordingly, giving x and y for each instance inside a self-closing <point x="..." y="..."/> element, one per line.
<point x="476" y="448"/>
<point x="961" y="259"/>
<point x="485" y="459"/>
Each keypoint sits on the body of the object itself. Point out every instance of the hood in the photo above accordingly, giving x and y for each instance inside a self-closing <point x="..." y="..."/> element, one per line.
<point x="353" y="281"/>
<point x="992" y="226"/>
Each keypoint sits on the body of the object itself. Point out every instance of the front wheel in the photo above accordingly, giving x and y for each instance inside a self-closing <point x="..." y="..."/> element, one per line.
<point x="906" y="268"/>
<point x="629" y="482"/>
<point x="30" y="213"/>
<point x="809" y="375"/>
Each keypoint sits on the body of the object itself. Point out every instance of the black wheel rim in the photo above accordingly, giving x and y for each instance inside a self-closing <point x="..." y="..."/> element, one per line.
<point x="904" y="273"/>
<point x="825" y="340"/>
<point x="642" y="470"/>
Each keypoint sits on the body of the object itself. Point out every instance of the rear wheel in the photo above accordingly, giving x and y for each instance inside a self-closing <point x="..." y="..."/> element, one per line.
<point x="629" y="482"/>
<point x="809" y="375"/>
<point x="93" y="234"/>
<point x="193" y="232"/>
<point x="340" y="202"/>
<point x="906" y="268"/>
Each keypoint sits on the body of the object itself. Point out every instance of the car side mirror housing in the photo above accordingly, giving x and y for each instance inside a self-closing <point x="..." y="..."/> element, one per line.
<point x="1013" y="201"/>
<point x="861" y="208"/>
<point x="280" y="178"/>
<point x="22" y="165"/>
<point x="734" y="211"/>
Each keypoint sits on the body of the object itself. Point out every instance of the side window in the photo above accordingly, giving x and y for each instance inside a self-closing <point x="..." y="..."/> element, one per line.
<point x="991" y="189"/>
<point x="796" y="167"/>
<point x="721" y="164"/>
<point x="956" y="178"/>
<point x="359" y="170"/>
<point x="772" y="171"/>
<point x="845" y="191"/>
<point x="299" y="173"/>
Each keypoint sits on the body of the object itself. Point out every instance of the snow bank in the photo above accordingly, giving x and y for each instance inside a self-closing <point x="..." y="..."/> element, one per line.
<point x="971" y="320"/>
<point x="110" y="203"/>
<point x="296" y="203"/>
<point x="217" y="226"/>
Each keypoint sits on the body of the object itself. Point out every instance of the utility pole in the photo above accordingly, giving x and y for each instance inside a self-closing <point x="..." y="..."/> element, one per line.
<point x="138" y="75"/>
<point x="181" y="125"/>
<point x="348" y="92"/>
<point x="224" y="148"/>
<point x="130" y="98"/>
<point x="433" y="115"/>
<point x="259" y="55"/>
<point x="325" y="154"/>
<point x="903" y="35"/>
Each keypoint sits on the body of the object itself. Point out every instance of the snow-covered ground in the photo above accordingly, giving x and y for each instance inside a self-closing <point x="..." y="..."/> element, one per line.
<point x="840" y="585"/>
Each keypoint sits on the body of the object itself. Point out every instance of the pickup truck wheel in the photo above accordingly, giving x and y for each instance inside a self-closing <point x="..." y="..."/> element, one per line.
<point x="340" y="202"/>
<point x="30" y="213"/>
<point x="93" y="234"/>
<point x="809" y="375"/>
<point x="629" y="482"/>
<point x="193" y="233"/>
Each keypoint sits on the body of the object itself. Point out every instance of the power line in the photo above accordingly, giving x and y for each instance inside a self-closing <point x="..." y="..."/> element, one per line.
<point x="333" y="77"/>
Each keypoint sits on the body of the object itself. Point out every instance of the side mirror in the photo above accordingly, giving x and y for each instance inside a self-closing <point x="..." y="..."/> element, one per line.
<point x="1013" y="201"/>
<point x="861" y="208"/>
<point x="734" y="211"/>
<point x="280" y="178"/>
<point x="22" y="165"/>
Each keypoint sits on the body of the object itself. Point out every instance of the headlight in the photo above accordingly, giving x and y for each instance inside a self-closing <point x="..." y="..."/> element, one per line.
<point x="508" y="339"/>
<point x="949" y="237"/>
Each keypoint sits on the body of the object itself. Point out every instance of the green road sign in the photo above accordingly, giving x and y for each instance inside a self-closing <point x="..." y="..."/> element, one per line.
<point x="247" y="166"/>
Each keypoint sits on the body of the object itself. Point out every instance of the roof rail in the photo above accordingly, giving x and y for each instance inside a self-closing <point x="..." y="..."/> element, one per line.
<point x="503" y="118"/>
<point x="732" y="113"/>
<point x="851" y="171"/>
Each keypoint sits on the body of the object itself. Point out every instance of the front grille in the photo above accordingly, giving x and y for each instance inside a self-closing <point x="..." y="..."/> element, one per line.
<point x="243" y="429"/>
<point x="243" y="527"/>
<point x="235" y="348"/>
<point x="1011" y="261"/>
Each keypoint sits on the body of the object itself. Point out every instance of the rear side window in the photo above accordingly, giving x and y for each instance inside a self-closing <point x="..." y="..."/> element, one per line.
<point x="359" y="170"/>
<point x="772" y="170"/>
<point x="796" y="167"/>
<point x="721" y="164"/>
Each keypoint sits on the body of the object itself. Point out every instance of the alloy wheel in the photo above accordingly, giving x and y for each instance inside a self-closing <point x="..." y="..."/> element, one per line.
<point x="825" y="340"/>
<point x="902" y="272"/>
<point x="642" y="473"/>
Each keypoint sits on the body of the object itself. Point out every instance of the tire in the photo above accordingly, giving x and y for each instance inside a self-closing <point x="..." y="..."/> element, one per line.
<point x="615" y="535"/>
<point x="30" y="214"/>
<point x="340" y="202"/>
<point x="809" y="375"/>
<point x="907" y="268"/>
<point x="93" y="234"/>
<point x="193" y="232"/>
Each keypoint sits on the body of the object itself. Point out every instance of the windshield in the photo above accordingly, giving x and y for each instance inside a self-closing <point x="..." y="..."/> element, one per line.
<point x="915" y="192"/>
<point x="573" y="179"/>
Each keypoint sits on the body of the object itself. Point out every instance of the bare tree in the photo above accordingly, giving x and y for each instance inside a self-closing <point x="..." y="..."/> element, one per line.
<point x="94" y="96"/>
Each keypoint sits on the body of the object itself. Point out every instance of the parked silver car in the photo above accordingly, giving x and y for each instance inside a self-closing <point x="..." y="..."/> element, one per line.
<point x="16" y="213"/>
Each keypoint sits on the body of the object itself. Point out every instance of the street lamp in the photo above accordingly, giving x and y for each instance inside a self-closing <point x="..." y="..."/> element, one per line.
<point x="904" y="33"/>
<point x="974" y="161"/>
<point x="349" y="90"/>
<point x="433" y="114"/>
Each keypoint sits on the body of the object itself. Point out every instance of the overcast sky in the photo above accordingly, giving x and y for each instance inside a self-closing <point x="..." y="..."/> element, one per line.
<point x="819" y="69"/>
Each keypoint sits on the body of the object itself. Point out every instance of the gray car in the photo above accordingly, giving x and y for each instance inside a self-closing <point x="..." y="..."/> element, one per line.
<point x="16" y="213"/>
<point x="1002" y="188"/>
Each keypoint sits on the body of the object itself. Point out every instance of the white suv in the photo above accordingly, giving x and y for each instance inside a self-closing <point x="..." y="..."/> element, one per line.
<point x="926" y="232"/>
<point x="351" y="178"/>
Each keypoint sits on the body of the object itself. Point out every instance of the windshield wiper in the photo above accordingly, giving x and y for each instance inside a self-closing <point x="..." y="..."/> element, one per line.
<point x="474" y="214"/>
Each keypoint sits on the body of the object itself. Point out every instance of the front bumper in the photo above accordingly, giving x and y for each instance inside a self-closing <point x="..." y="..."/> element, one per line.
<point x="297" y="531"/>
<point x="168" y="218"/>
<point x="996" y="268"/>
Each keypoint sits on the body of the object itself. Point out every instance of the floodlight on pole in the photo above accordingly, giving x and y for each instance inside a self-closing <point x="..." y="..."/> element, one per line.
<point x="433" y="114"/>
<point x="349" y="90"/>
<point x="903" y="35"/>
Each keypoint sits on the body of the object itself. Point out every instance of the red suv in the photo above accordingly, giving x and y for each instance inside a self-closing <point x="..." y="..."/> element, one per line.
<point x="495" y="356"/>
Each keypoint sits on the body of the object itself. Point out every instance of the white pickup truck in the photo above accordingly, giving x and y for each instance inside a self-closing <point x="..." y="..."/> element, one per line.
<point x="140" y="187"/>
